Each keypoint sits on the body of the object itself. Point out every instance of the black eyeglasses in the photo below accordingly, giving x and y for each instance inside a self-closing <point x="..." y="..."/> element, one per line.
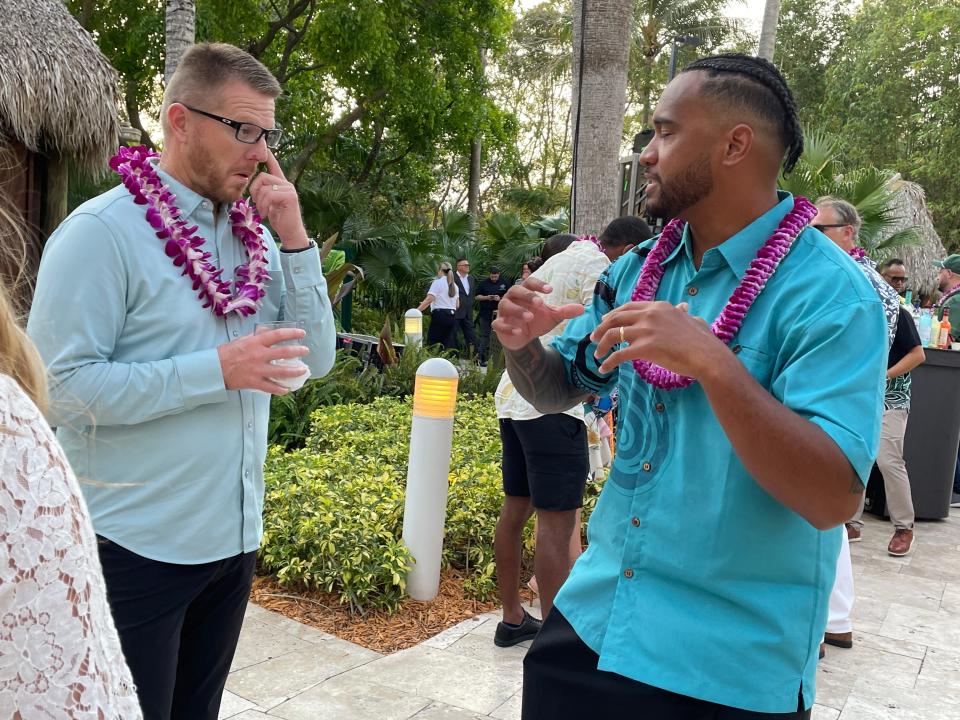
<point x="247" y="133"/>
<point x="823" y="226"/>
<point x="896" y="278"/>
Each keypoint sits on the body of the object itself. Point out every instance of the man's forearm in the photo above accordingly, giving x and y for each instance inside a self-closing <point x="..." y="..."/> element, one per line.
<point x="539" y="375"/>
<point x="907" y="363"/>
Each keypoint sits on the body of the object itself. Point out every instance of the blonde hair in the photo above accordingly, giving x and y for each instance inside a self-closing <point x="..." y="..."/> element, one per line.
<point x="18" y="357"/>
<point x="447" y="268"/>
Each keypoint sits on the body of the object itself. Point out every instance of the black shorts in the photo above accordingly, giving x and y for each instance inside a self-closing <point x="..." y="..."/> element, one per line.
<point x="546" y="460"/>
<point x="561" y="680"/>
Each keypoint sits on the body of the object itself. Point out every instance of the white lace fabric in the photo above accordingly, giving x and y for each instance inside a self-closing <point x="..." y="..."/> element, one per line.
<point x="60" y="655"/>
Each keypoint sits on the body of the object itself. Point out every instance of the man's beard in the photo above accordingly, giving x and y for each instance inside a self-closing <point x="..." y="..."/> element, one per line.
<point x="208" y="184"/>
<point x="693" y="184"/>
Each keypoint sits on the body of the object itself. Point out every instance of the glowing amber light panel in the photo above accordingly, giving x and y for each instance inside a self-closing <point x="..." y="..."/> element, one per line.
<point x="413" y="325"/>
<point x="434" y="397"/>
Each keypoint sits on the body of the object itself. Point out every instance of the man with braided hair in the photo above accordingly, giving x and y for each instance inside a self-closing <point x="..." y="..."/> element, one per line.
<point x="741" y="447"/>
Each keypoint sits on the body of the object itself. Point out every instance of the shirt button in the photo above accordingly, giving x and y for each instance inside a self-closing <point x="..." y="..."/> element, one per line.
<point x="635" y="522"/>
<point x="646" y="467"/>
<point x="250" y="425"/>
<point x="207" y="205"/>
<point x="692" y="291"/>
<point x="235" y="333"/>
<point x="296" y="271"/>
<point x="628" y="573"/>
<point x="660" y="407"/>
<point x="246" y="473"/>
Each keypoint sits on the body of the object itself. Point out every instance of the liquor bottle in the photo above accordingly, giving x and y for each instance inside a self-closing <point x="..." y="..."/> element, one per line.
<point x="945" y="338"/>
<point x="934" y="330"/>
<point x="924" y="327"/>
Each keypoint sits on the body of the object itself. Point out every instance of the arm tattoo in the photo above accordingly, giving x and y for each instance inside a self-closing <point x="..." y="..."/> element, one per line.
<point x="539" y="375"/>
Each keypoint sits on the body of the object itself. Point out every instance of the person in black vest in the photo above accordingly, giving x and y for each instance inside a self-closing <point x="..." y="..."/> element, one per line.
<point x="488" y="297"/>
<point x="466" y="285"/>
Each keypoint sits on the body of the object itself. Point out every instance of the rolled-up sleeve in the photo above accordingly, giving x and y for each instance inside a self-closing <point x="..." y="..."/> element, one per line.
<point x="305" y="299"/>
<point x="831" y="371"/>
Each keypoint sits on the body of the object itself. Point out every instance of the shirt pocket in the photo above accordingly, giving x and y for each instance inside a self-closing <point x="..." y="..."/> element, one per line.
<point x="758" y="362"/>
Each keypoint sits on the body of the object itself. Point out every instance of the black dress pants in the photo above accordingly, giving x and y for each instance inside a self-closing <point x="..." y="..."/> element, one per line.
<point x="561" y="680"/>
<point x="483" y="345"/>
<point x="178" y="627"/>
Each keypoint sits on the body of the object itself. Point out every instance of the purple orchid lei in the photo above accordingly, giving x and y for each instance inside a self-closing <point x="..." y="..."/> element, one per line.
<point x="946" y="296"/>
<point x="857" y="252"/>
<point x="182" y="244"/>
<point x="728" y="323"/>
<point x="593" y="239"/>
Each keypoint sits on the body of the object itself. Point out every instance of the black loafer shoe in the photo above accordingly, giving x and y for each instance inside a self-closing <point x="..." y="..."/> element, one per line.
<point x="527" y="630"/>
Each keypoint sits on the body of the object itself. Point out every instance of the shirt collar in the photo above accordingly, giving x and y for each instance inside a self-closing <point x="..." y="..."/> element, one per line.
<point x="185" y="198"/>
<point x="739" y="250"/>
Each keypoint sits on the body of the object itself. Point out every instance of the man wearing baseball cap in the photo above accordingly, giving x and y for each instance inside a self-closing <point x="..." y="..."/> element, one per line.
<point x="949" y="283"/>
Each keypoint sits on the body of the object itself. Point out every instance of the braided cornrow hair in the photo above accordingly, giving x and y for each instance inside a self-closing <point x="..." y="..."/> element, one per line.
<point x="756" y="84"/>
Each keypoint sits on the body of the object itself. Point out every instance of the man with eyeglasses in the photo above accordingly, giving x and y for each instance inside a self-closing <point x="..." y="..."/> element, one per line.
<point x="895" y="273"/>
<point x="161" y="386"/>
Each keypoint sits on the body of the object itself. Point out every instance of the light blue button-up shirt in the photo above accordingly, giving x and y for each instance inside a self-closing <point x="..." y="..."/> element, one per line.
<point x="173" y="461"/>
<point x="695" y="579"/>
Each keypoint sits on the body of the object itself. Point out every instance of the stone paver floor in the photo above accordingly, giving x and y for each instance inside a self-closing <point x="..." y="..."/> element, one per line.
<point x="904" y="665"/>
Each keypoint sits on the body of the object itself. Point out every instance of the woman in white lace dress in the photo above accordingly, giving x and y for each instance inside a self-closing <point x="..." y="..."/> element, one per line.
<point x="59" y="652"/>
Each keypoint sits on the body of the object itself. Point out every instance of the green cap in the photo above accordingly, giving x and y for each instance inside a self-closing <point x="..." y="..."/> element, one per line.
<point x="951" y="263"/>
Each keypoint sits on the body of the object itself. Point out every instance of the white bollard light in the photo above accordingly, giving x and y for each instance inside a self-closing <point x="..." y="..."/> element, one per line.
<point x="413" y="327"/>
<point x="428" y="470"/>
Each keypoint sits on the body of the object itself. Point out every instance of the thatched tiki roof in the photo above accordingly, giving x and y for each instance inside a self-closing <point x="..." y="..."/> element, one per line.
<point x="912" y="211"/>
<point x="58" y="92"/>
<point x="58" y="107"/>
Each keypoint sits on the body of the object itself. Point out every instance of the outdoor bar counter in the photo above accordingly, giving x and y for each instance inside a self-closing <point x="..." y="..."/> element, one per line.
<point x="933" y="433"/>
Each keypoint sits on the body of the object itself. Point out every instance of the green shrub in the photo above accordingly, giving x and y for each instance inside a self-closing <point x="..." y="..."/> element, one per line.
<point x="333" y="510"/>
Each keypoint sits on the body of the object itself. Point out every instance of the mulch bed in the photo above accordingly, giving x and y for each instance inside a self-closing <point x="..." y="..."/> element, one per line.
<point x="377" y="630"/>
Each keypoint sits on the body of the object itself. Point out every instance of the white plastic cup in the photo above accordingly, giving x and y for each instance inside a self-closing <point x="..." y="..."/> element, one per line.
<point x="291" y="383"/>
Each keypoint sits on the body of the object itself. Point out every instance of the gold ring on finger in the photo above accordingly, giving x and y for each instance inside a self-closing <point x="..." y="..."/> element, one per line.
<point x="622" y="338"/>
<point x="275" y="188"/>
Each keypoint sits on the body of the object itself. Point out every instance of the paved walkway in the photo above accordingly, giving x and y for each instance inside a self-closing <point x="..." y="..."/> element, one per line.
<point x="904" y="665"/>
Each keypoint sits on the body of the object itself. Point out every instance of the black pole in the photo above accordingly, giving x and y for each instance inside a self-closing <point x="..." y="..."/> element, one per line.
<point x="673" y="61"/>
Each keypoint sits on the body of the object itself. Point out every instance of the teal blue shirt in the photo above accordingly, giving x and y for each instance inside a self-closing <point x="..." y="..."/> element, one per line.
<point x="695" y="579"/>
<point x="172" y="461"/>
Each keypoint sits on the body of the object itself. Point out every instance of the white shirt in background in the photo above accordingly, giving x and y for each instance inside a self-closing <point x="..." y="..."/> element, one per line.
<point x="572" y="276"/>
<point x="439" y="288"/>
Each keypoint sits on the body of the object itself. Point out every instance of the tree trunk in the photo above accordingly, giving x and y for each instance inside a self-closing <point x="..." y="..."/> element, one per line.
<point x="768" y="32"/>
<point x="180" y="33"/>
<point x="598" y="103"/>
<point x="473" y="183"/>
<point x="473" y="180"/>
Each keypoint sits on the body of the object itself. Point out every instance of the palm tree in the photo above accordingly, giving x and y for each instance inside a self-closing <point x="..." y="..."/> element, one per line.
<point x="181" y="17"/>
<point x="768" y="31"/>
<point x="874" y="192"/>
<point x="601" y="55"/>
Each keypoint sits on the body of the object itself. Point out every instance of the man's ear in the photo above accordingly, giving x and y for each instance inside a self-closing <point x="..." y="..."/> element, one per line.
<point x="177" y="120"/>
<point x="740" y="140"/>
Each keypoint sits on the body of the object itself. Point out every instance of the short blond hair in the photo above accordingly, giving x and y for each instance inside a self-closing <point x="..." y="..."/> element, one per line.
<point x="206" y="68"/>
